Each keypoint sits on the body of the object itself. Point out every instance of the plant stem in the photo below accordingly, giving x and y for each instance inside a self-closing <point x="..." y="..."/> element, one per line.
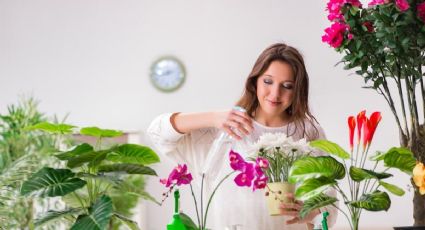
<point x="202" y="203"/>
<point x="196" y="205"/>
<point x="212" y="195"/>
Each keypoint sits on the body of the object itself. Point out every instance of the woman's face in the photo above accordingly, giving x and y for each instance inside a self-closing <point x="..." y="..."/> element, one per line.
<point x="275" y="90"/>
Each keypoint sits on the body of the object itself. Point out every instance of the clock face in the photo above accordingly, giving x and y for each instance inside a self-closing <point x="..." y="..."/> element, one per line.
<point x="167" y="74"/>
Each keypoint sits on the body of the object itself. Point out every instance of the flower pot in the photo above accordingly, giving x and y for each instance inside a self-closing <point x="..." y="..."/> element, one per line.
<point x="276" y="194"/>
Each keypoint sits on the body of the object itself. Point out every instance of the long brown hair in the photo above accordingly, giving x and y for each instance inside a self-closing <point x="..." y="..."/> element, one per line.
<point x="299" y="110"/>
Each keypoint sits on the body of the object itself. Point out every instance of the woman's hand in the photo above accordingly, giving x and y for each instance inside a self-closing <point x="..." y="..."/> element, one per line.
<point x="293" y="210"/>
<point x="233" y="122"/>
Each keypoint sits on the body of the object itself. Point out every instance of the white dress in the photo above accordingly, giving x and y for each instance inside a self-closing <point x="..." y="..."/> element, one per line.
<point x="233" y="207"/>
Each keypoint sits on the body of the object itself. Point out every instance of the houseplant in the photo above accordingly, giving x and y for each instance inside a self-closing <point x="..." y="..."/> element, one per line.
<point x="384" y="42"/>
<point x="90" y="175"/>
<point x="250" y="174"/>
<point x="281" y="152"/>
<point x="21" y="153"/>
<point x="317" y="174"/>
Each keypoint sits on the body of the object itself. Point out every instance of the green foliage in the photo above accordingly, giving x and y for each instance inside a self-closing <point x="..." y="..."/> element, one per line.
<point x="22" y="152"/>
<point x="104" y="182"/>
<point x="316" y="174"/>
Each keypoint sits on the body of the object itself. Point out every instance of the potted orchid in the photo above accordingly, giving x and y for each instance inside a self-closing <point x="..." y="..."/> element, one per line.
<point x="281" y="152"/>
<point x="250" y="174"/>
<point x="384" y="42"/>
<point x="365" y="183"/>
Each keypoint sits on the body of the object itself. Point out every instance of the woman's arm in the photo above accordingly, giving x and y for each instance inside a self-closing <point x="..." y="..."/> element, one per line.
<point x="233" y="122"/>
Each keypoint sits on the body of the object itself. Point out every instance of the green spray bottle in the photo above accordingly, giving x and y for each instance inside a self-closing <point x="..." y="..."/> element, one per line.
<point x="176" y="223"/>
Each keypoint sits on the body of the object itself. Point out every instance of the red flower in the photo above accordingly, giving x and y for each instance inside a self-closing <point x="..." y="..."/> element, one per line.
<point x="421" y="11"/>
<point x="370" y="127"/>
<point x="369" y="26"/>
<point x="351" y="126"/>
<point x="378" y="2"/>
<point x="178" y="176"/>
<point x="334" y="35"/>
<point x="361" y="118"/>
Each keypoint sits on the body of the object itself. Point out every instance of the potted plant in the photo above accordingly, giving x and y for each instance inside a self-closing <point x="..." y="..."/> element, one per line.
<point x="250" y="174"/>
<point x="365" y="183"/>
<point x="88" y="177"/>
<point x="385" y="43"/>
<point x="280" y="152"/>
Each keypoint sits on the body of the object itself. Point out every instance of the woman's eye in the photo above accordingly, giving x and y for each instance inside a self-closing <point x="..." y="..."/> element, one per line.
<point x="268" y="81"/>
<point x="287" y="86"/>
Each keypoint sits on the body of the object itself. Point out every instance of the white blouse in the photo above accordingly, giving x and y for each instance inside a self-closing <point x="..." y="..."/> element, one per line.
<point x="232" y="207"/>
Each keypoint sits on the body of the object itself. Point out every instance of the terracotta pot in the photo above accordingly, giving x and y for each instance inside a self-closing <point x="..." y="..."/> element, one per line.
<point x="277" y="194"/>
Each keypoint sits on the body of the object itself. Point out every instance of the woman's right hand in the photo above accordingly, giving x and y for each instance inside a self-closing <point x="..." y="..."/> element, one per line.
<point x="235" y="123"/>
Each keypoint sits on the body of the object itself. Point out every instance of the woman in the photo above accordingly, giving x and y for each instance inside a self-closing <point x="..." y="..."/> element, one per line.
<point x="276" y="100"/>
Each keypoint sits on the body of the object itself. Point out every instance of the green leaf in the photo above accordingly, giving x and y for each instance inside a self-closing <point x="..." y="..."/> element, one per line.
<point x="316" y="202"/>
<point x="331" y="148"/>
<point x="359" y="174"/>
<point x="128" y="168"/>
<point x="127" y="221"/>
<point x="98" y="217"/>
<point x="313" y="187"/>
<point x="52" y="128"/>
<point x="53" y="215"/>
<point x="78" y="150"/>
<point x="132" y="153"/>
<point x="100" y="133"/>
<point x="188" y="222"/>
<point x="400" y="158"/>
<point x="392" y="188"/>
<point x="376" y="201"/>
<point x="315" y="167"/>
<point x="94" y="157"/>
<point x="52" y="182"/>
<point x="378" y="156"/>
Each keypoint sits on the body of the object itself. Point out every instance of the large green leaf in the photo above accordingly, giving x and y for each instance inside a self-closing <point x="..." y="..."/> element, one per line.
<point x="127" y="221"/>
<point x="400" y="158"/>
<point x="100" y="133"/>
<point x="98" y="217"/>
<point x="331" y="148"/>
<point x="313" y="187"/>
<point x="359" y="174"/>
<point x="316" y="202"/>
<point x="392" y="188"/>
<point x="52" y="182"/>
<point x="53" y="128"/>
<point x="94" y="158"/>
<point x="378" y="156"/>
<point x="376" y="201"/>
<point x="188" y="222"/>
<point x="132" y="153"/>
<point x="128" y="168"/>
<point x="78" y="150"/>
<point x="315" y="167"/>
<point x="55" y="215"/>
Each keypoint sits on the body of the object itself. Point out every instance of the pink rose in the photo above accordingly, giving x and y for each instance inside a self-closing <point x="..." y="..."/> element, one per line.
<point x="334" y="35"/>
<point x="378" y="2"/>
<point x="402" y="5"/>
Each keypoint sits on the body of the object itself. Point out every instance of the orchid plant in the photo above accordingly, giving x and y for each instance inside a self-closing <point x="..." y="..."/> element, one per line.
<point x="250" y="174"/>
<point x="316" y="174"/>
<point x="384" y="42"/>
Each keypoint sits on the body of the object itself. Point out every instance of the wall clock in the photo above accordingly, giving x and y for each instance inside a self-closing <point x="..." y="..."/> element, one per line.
<point x="167" y="74"/>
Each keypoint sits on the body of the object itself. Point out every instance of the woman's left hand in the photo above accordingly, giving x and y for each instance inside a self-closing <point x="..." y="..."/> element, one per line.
<point x="293" y="210"/>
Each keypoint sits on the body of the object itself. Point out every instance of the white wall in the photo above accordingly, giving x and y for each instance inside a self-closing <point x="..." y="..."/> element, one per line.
<point x="92" y="58"/>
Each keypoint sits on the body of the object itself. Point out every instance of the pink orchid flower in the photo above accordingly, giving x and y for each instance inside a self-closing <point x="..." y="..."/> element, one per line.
<point x="260" y="183"/>
<point x="246" y="177"/>
<point x="178" y="176"/>
<point x="236" y="161"/>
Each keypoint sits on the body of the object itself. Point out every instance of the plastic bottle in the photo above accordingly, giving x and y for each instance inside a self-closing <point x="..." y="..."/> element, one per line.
<point x="176" y="222"/>
<point x="217" y="153"/>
